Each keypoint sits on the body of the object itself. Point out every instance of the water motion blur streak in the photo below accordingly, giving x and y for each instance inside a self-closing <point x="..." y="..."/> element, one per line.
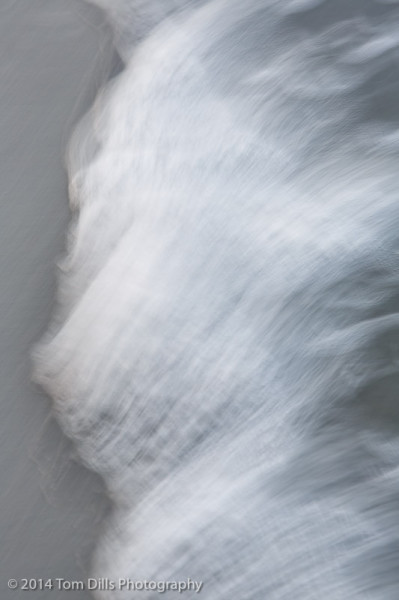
<point x="225" y="353"/>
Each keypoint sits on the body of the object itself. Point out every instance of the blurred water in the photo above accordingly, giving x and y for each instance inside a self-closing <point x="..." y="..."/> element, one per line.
<point x="225" y="350"/>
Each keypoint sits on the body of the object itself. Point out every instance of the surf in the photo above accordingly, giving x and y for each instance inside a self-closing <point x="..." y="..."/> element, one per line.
<point x="224" y="351"/>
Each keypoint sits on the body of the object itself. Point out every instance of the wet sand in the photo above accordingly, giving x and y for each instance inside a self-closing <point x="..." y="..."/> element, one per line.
<point x="54" y="56"/>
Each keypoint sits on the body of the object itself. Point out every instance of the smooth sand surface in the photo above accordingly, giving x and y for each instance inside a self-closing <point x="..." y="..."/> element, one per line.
<point x="54" y="56"/>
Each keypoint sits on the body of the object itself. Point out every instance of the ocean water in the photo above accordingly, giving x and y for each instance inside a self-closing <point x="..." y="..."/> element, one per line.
<point x="225" y="350"/>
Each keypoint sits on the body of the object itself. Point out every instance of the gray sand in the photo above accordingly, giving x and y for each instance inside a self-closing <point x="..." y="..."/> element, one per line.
<point x="54" y="56"/>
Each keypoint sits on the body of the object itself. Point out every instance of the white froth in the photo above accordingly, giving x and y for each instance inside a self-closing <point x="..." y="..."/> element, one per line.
<point x="220" y="339"/>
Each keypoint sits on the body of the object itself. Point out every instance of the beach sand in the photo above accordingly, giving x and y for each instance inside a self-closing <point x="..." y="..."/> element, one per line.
<point x="55" y="54"/>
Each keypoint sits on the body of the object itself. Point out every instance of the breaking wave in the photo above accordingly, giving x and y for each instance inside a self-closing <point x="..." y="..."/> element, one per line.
<point x="225" y="351"/>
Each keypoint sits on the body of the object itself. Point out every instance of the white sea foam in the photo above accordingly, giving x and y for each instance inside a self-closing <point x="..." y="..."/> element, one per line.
<point x="225" y="351"/>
